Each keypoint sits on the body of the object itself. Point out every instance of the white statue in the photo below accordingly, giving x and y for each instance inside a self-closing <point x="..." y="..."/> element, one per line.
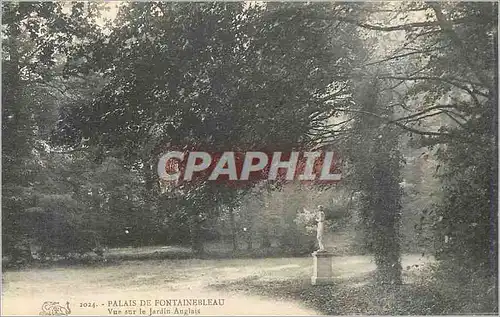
<point x="321" y="227"/>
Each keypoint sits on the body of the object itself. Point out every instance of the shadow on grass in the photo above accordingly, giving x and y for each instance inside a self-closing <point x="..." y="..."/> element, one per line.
<point x="91" y="260"/>
<point x="271" y="252"/>
<point x="354" y="296"/>
<point x="116" y="256"/>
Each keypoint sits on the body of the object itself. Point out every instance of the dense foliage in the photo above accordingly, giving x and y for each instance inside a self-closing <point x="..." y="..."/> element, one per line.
<point x="410" y="102"/>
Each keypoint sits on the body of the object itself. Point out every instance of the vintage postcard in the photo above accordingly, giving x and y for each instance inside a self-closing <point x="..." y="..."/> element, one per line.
<point x="249" y="158"/>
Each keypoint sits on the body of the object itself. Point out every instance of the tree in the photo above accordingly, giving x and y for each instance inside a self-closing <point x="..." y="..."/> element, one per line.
<point x="455" y="77"/>
<point x="35" y="36"/>
<point x="162" y="96"/>
<point x="447" y="79"/>
<point x="374" y="162"/>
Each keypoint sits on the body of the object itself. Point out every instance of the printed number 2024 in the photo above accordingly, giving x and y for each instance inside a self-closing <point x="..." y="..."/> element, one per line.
<point x="88" y="305"/>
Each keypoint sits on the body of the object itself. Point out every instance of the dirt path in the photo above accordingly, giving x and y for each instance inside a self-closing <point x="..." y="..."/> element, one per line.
<point x="107" y="303"/>
<point x="119" y="289"/>
<point x="157" y="281"/>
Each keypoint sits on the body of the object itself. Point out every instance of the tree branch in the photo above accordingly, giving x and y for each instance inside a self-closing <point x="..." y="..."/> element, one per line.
<point x="420" y="118"/>
<point x="401" y="27"/>
<point x="438" y="107"/>
<point x="403" y="55"/>
<point x="399" y="124"/>
<point x="447" y="26"/>
<point x="434" y="78"/>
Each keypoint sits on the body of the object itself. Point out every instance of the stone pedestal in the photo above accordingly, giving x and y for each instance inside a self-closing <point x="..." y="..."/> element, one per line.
<point x="322" y="268"/>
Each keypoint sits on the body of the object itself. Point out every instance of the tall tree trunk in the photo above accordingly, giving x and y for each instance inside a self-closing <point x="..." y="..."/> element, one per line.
<point x="150" y="179"/>
<point x="386" y="240"/>
<point x="232" y="223"/>
<point x="376" y="164"/>
<point x="249" y="238"/>
<point x="266" y="239"/>
<point x="196" y="241"/>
